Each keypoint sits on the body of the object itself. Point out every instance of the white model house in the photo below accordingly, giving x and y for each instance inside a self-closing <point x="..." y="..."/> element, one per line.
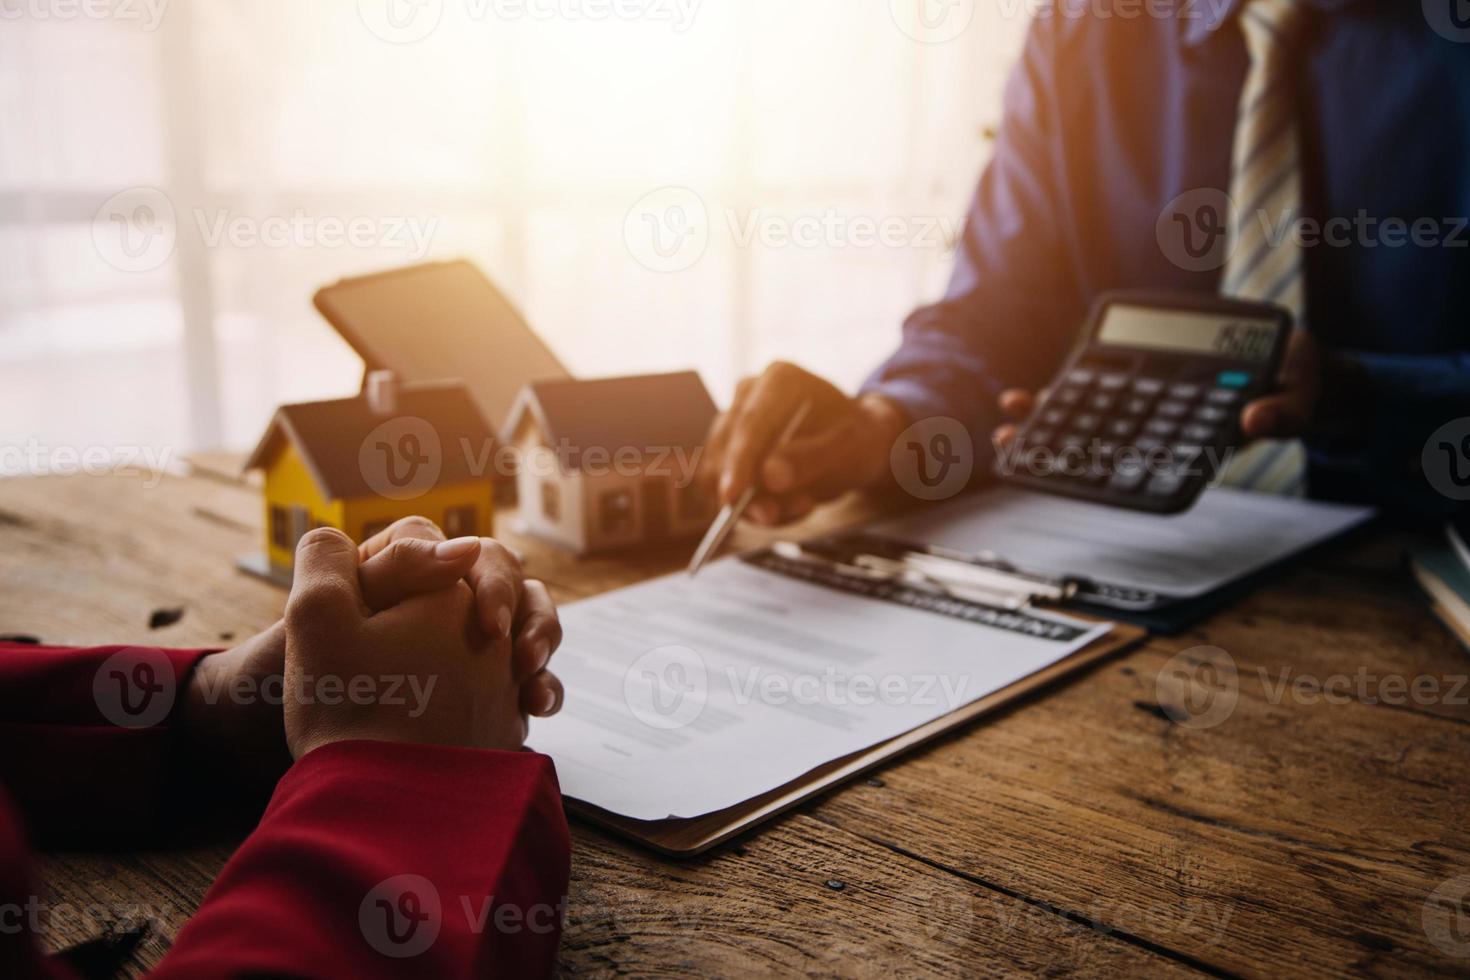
<point x="610" y="463"/>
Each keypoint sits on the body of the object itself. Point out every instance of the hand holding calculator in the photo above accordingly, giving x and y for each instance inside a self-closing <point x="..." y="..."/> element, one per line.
<point x="1147" y="410"/>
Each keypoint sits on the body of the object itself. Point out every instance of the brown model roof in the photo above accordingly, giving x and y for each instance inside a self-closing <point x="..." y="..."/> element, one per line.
<point x="650" y="412"/>
<point x="330" y="435"/>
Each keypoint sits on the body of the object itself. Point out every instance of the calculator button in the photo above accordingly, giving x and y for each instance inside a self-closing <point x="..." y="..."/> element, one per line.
<point x="1162" y="428"/>
<point x="1199" y="433"/>
<point x="1185" y="392"/>
<point x="1073" y="440"/>
<point x="1147" y="387"/>
<point x="1054" y="416"/>
<point x="1086" y="422"/>
<point x="1165" y="484"/>
<point x="1147" y="444"/>
<point x="1136" y="406"/>
<point x="1211" y="415"/>
<point x="1120" y="428"/>
<point x="1223" y="396"/>
<point x="1172" y="410"/>
<point x="1080" y="376"/>
<point x="1128" y="477"/>
<point x="1046" y="464"/>
<point x="1101" y="403"/>
<point x="1233" y="379"/>
<point x="1038" y="437"/>
<point x="1185" y="456"/>
<point x="1069" y="395"/>
<point x="1113" y="382"/>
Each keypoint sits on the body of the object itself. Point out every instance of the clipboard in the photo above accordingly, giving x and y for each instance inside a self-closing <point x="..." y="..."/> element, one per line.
<point x="883" y="561"/>
<point x="1098" y="592"/>
<point x="688" y="837"/>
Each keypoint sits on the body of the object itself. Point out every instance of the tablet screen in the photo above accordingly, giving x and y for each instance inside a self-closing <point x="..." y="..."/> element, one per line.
<point x="441" y="321"/>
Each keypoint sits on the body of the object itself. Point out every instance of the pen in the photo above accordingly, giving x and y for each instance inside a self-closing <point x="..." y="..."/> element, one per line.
<point x="730" y="514"/>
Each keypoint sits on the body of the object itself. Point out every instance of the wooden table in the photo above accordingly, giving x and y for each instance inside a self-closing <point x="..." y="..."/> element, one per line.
<point x="1083" y="831"/>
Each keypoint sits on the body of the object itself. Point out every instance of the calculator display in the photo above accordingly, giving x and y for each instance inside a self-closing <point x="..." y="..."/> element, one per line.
<point x="1188" y="331"/>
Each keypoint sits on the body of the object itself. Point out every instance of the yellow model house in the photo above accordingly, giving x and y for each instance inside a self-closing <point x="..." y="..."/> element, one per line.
<point x="359" y="464"/>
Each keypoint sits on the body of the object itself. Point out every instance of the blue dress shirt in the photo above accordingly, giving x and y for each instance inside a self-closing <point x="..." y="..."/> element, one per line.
<point x="1108" y="119"/>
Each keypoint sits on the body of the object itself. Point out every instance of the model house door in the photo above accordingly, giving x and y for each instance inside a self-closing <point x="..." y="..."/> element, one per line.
<point x="656" y="508"/>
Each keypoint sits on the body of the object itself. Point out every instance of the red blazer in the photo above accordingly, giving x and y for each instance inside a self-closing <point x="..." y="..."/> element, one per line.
<point x="373" y="859"/>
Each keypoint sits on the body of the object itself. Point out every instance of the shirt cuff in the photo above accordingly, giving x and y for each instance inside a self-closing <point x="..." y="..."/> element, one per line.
<point x="91" y="738"/>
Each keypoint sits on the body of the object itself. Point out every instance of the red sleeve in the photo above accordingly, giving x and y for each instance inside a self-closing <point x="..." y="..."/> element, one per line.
<point x="88" y="736"/>
<point x="383" y="859"/>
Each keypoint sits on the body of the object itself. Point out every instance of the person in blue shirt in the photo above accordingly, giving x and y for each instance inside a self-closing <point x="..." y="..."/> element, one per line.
<point x="1342" y="125"/>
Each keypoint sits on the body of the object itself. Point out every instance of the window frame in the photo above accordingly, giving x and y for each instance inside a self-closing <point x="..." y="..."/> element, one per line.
<point x="454" y="517"/>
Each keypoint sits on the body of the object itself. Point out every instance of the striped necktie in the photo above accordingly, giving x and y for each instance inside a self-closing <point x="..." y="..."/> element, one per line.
<point x="1265" y="261"/>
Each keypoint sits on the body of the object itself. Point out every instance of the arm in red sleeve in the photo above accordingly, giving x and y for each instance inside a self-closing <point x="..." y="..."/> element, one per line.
<point x="89" y="736"/>
<point x="384" y="859"/>
<point x="89" y="751"/>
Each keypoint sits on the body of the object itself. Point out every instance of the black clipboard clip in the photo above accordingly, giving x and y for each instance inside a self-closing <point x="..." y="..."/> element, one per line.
<point x="982" y="577"/>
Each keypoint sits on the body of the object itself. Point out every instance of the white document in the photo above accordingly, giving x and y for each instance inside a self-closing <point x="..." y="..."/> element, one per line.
<point x="686" y="696"/>
<point x="1226" y="536"/>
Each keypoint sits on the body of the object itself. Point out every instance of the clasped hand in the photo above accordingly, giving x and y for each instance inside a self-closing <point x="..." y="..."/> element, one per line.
<point x="455" y="622"/>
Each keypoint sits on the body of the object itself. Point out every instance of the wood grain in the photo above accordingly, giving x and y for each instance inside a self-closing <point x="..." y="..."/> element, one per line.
<point x="1083" y="831"/>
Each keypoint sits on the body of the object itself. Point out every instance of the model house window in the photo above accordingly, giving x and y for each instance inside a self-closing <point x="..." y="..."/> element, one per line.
<point x="461" y="522"/>
<point x="280" y="527"/>
<point x="551" y="500"/>
<point x="615" y="509"/>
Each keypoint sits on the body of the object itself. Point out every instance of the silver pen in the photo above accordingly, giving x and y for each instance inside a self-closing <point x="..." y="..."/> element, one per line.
<point x="730" y="514"/>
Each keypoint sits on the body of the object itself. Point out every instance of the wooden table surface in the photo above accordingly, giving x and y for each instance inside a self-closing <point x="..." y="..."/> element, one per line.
<point x="1083" y="831"/>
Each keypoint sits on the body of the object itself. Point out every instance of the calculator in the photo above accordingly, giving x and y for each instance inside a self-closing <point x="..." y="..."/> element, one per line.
<point x="1146" y="410"/>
